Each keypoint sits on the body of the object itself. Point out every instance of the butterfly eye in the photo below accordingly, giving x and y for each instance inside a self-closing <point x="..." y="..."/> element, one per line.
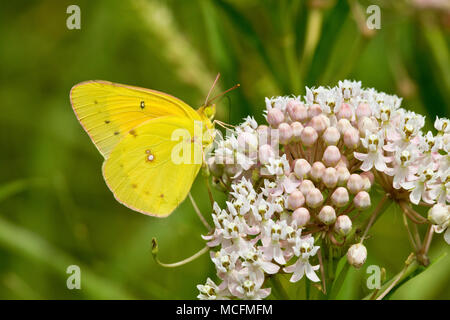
<point x="210" y="111"/>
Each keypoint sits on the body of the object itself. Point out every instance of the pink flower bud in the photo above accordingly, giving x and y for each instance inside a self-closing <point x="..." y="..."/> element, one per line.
<point x="368" y="179"/>
<point x="274" y="117"/>
<point x="306" y="186"/>
<point x="343" y="175"/>
<point x="319" y="123"/>
<point x="343" y="125"/>
<point x="343" y="225"/>
<point x="295" y="200"/>
<point x="330" y="177"/>
<point x="357" y="255"/>
<point x="301" y="168"/>
<point x="351" y="138"/>
<point x="327" y="215"/>
<point x="247" y="142"/>
<point x="331" y="156"/>
<point x="362" y="200"/>
<point x="263" y="133"/>
<point x="317" y="170"/>
<point x="309" y="136"/>
<point x="368" y="175"/>
<point x="345" y="112"/>
<point x="298" y="112"/>
<point x="266" y="153"/>
<point x="314" y="198"/>
<point x="301" y="216"/>
<point x="355" y="183"/>
<point x="343" y="162"/>
<point x="290" y="105"/>
<point x="340" y="197"/>
<point x="297" y="129"/>
<point x="439" y="214"/>
<point x="331" y="136"/>
<point x="285" y="132"/>
<point x="314" y="110"/>
<point x="363" y="110"/>
<point x="366" y="124"/>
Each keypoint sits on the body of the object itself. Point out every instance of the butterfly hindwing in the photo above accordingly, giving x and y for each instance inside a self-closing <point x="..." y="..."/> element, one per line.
<point x="141" y="171"/>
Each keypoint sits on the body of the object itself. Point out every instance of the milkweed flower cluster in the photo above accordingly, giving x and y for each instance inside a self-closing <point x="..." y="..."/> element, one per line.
<point x="299" y="183"/>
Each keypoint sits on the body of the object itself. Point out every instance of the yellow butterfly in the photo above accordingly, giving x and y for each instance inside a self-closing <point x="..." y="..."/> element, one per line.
<point x="134" y="129"/>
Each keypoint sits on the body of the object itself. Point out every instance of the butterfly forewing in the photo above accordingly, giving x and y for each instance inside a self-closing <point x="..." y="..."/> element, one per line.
<point x="108" y="111"/>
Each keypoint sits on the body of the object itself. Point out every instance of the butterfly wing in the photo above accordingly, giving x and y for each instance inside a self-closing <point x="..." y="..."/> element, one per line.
<point x="108" y="111"/>
<point x="144" y="170"/>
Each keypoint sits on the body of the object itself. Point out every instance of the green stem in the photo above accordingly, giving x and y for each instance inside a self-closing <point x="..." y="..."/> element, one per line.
<point x="411" y="265"/>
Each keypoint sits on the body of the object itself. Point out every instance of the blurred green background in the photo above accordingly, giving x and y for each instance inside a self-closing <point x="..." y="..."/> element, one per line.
<point x="55" y="209"/>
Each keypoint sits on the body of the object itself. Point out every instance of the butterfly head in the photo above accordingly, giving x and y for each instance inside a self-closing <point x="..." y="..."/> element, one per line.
<point x="208" y="111"/>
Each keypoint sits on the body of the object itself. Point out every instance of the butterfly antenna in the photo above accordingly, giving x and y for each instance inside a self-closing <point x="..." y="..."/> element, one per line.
<point x="224" y="125"/>
<point x="226" y="91"/>
<point x="212" y="87"/>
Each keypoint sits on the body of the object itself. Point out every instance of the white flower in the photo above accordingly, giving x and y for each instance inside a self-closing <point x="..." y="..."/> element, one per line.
<point x="304" y="249"/>
<point x="442" y="125"/>
<point x="249" y="290"/>
<point x="279" y="166"/>
<point x="404" y="168"/>
<point x="374" y="157"/>
<point x="257" y="266"/>
<point x="210" y="291"/>
<point x="418" y="186"/>
<point x="271" y="241"/>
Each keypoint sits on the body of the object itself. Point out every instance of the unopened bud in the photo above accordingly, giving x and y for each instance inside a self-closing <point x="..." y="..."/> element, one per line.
<point x="263" y="133"/>
<point x="343" y="125"/>
<point x="331" y="156"/>
<point x="297" y="111"/>
<point x="301" y="216"/>
<point x="355" y="183"/>
<point x="343" y="175"/>
<point x="314" y="110"/>
<point x="274" y="117"/>
<point x="362" y="200"/>
<point x="306" y="186"/>
<point x="309" y="136"/>
<point x="357" y="255"/>
<point x="266" y="153"/>
<point x="345" y="112"/>
<point x="317" y="170"/>
<point x="302" y="168"/>
<point x="439" y="214"/>
<point x="285" y="132"/>
<point x="327" y="215"/>
<point x="314" y="198"/>
<point x="351" y="138"/>
<point x="331" y="136"/>
<point x="297" y="129"/>
<point x="343" y="225"/>
<point x="340" y="197"/>
<point x="295" y="200"/>
<point x="363" y="110"/>
<point x="368" y="179"/>
<point x="247" y="142"/>
<point x="319" y="123"/>
<point x="330" y="177"/>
